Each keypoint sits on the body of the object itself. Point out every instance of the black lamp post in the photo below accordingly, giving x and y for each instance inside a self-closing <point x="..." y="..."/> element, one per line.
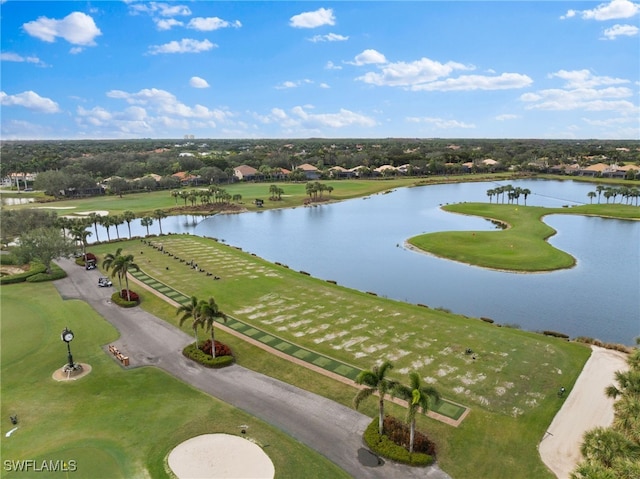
<point x="67" y="337"/>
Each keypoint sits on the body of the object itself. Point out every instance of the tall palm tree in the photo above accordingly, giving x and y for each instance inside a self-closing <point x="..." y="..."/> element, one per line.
<point x="121" y="265"/>
<point x="80" y="235"/>
<point x="376" y="382"/>
<point x="106" y="222"/>
<point x="95" y="219"/>
<point x="146" y="221"/>
<point x="159" y="214"/>
<point x="418" y="397"/>
<point x="117" y="220"/>
<point x="209" y="312"/>
<point x="191" y="311"/>
<point x="109" y="262"/>
<point x="129" y="216"/>
<point x="591" y="195"/>
<point x="525" y="192"/>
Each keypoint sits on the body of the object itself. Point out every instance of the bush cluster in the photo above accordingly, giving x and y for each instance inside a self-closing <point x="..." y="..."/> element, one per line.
<point x="221" y="349"/>
<point x="131" y="296"/>
<point x="385" y="447"/>
<point x="199" y="356"/>
<point x="8" y="259"/>
<point x="555" y="334"/>
<point x="115" y="297"/>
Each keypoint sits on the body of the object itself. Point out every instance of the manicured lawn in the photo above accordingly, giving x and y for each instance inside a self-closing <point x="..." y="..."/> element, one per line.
<point x="294" y="195"/>
<point x="521" y="247"/>
<point x="113" y="423"/>
<point x="510" y="386"/>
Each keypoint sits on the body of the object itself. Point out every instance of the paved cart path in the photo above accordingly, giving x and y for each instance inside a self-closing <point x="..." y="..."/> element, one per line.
<point x="333" y="430"/>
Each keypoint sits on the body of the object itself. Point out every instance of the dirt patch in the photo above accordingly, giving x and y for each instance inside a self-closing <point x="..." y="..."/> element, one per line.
<point x="11" y="270"/>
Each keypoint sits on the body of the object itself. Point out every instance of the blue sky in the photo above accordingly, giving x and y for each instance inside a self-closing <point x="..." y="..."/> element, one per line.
<point x="365" y="69"/>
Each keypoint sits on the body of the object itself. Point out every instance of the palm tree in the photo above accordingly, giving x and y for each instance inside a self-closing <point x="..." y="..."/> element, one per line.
<point x="603" y="446"/>
<point x="121" y="265"/>
<point x="591" y="195"/>
<point x="490" y="193"/>
<point x="109" y="261"/>
<point x="95" y="219"/>
<point x="376" y="382"/>
<point x="107" y="222"/>
<point x="525" y="192"/>
<point x="418" y="397"/>
<point x="129" y="216"/>
<point x="159" y="214"/>
<point x="190" y="310"/>
<point x="146" y="221"/>
<point x="209" y="311"/>
<point x="80" y="235"/>
<point x="117" y="220"/>
<point x="599" y="190"/>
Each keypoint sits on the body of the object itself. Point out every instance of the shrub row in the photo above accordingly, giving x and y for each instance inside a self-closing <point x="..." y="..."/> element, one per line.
<point x="56" y="273"/>
<point x="555" y="334"/>
<point x="385" y="447"/>
<point x="205" y="359"/>
<point x="613" y="346"/>
<point x="35" y="268"/>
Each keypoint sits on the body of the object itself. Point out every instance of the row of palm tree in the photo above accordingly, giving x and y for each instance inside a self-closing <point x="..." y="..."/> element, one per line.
<point x="614" y="452"/>
<point x="315" y="187"/>
<point x="203" y="313"/>
<point x="513" y="194"/>
<point x="214" y="192"/>
<point x="120" y="265"/>
<point x="419" y="397"/>
<point x="76" y="226"/>
<point x="626" y="193"/>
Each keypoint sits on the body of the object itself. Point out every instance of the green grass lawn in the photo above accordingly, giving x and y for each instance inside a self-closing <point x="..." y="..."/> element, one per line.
<point x="113" y="423"/>
<point x="294" y="195"/>
<point x="510" y="387"/>
<point x="521" y="247"/>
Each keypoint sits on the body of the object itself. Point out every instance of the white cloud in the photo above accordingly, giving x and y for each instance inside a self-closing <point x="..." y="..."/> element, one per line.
<point x="368" y="57"/>
<point x="159" y="8"/>
<point x="186" y="45"/>
<point x="14" y="57"/>
<point x="318" y="18"/>
<point x="607" y="11"/>
<point x="324" y="85"/>
<point x="620" y="30"/>
<point x="332" y="66"/>
<point x="167" y="24"/>
<point x="31" y="101"/>
<point x="165" y="103"/>
<point x="211" y="23"/>
<point x="77" y="28"/>
<point x="329" y="37"/>
<point x="411" y="74"/>
<point x="585" y="79"/>
<point x="505" y="81"/>
<point x="197" y="82"/>
<point x="293" y="84"/>
<point x="440" y="122"/>
<point x="340" y="119"/>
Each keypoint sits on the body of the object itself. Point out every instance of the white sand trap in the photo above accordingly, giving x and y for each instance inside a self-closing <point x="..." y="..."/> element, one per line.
<point x="87" y="213"/>
<point x="55" y="207"/>
<point x="220" y="456"/>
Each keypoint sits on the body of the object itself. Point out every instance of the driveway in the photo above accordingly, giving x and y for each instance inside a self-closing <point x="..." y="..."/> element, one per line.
<point x="335" y="431"/>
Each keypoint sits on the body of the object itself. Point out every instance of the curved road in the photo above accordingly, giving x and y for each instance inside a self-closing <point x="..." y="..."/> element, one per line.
<point x="333" y="430"/>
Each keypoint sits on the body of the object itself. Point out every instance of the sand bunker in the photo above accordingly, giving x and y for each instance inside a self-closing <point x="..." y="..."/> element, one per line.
<point x="220" y="456"/>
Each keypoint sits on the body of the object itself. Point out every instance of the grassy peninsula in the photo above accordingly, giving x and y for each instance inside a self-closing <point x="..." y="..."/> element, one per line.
<point x="521" y="246"/>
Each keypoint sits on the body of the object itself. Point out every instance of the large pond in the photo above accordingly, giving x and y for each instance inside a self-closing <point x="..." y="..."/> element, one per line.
<point x="360" y="244"/>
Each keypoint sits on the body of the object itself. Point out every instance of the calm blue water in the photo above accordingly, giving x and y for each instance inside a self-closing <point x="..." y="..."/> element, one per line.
<point x="359" y="244"/>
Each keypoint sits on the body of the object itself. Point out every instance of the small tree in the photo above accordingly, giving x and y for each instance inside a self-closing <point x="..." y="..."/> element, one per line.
<point x="376" y="381"/>
<point x="44" y="245"/>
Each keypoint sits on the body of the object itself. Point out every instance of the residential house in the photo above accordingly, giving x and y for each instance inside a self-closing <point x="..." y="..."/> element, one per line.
<point x="247" y="173"/>
<point x="310" y="171"/>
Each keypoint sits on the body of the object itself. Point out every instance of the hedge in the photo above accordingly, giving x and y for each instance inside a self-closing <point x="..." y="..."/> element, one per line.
<point x="56" y="273"/>
<point x="8" y="258"/>
<point x="385" y="447"/>
<point x="20" y="277"/>
<point x="195" y="354"/>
